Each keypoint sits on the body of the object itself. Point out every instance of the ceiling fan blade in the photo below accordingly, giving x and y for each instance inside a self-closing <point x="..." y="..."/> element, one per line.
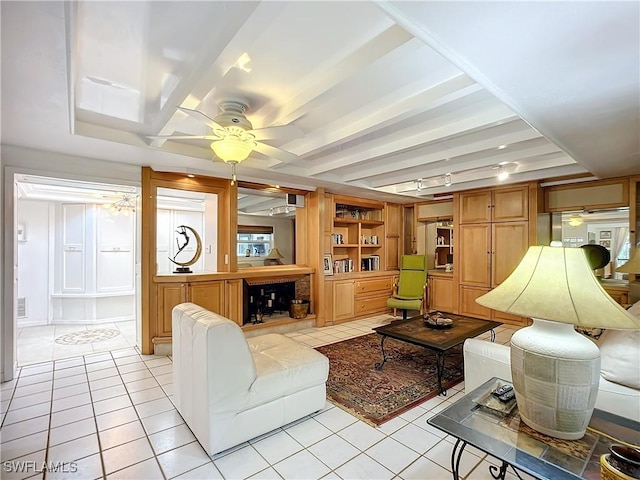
<point x="276" y="153"/>
<point x="284" y="132"/>
<point x="183" y="137"/>
<point x="202" y="117"/>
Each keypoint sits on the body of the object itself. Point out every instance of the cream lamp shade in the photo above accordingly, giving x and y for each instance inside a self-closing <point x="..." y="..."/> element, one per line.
<point x="633" y="265"/>
<point x="274" y="253"/>
<point x="555" y="370"/>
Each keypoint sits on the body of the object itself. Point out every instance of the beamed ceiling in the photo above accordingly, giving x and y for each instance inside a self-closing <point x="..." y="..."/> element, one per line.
<point x="385" y="93"/>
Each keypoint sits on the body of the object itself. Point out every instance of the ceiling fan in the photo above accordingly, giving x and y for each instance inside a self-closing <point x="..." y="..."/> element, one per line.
<point x="233" y="137"/>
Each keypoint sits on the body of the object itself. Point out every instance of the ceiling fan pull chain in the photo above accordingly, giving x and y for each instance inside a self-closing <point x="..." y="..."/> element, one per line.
<point x="233" y="174"/>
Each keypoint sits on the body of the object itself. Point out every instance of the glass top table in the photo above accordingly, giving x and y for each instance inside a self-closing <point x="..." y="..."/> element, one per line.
<point x="499" y="432"/>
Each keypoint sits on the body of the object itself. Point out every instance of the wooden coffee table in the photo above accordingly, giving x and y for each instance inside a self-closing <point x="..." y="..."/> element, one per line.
<point x="414" y="331"/>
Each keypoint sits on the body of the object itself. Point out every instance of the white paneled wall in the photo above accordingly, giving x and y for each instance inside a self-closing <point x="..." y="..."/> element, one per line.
<point x="86" y="267"/>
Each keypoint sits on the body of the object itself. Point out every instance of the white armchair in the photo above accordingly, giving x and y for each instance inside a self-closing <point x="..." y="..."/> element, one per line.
<point x="230" y="389"/>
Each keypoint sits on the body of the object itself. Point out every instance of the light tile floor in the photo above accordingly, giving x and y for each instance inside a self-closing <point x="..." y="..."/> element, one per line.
<point x="37" y="344"/>
<point x="110" y="415"/>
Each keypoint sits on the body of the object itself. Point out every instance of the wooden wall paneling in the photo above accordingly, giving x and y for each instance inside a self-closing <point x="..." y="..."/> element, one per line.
<point x="148" y="294"/>
<point x="227" y="226"/>
<point x="315" y="212"/>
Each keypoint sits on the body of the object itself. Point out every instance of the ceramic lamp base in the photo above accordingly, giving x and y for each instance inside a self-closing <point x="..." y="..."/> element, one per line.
<point x="556" y="373"/>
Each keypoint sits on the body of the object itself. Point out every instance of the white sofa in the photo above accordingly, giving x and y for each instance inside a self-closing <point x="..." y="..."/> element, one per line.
<point x="230" y="389"/>
<point x="484" y="359"/>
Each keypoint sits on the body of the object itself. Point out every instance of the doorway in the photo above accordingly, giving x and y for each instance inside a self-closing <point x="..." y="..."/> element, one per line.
<point x="76" y="254"/>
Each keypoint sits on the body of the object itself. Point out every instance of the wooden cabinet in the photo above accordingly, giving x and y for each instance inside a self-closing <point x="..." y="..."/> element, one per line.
<point x="474" y="255"/>
<point x="209" y="295"/>
<point x="441" y="292"/>
<point x="500" y="205"/>
<point x="343" y="296"/>
<point x="360" y="296"/>
<point x="493" y="238"/>
<point x="169" y="295"/>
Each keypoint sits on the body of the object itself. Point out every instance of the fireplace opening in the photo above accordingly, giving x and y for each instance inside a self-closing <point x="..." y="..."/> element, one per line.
<point x="265" y="300"/>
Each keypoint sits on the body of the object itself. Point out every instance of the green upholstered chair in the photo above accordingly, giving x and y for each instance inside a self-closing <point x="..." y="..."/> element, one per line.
<point x="410" y="291"/>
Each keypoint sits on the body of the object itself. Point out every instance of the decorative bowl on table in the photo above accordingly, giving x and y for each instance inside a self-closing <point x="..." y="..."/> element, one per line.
<point x="437" y="320"/>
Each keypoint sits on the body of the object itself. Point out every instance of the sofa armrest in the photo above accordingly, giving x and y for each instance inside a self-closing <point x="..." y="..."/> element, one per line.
<point x="483" y="360"/>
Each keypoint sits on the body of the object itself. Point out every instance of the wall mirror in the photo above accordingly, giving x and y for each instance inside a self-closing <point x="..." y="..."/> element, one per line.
<point x="266" y="227"/>
<point x="608" y="228"/>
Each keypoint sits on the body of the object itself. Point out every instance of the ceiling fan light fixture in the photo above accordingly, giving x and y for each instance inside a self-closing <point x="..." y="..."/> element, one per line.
<point x="576" y="220"/>
<point x="231" y="149"/>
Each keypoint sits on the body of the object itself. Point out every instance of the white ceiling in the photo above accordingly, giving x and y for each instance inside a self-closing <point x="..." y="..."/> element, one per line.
<point x="385" y="93"/>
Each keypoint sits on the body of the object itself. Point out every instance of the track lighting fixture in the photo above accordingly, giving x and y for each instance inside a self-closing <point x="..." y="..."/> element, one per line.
<point x="447" y="180"/>
<point x="419" y="185"/>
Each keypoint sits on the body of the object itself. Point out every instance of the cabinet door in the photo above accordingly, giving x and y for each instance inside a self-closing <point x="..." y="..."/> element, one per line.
<point x="511" y="204"/>
<point x="209" y="295"/>
<point x="475" y="207"/>
<point x="169" y="295"/>
<point x="468" y="305"/>
<point x="474" y="264"/>
<point x="234" y="301"/>
<point x="510" y="242"/>
<point x="343" y="299"/>
<point x="441" y="294"/>
<point x="393" y="225"/>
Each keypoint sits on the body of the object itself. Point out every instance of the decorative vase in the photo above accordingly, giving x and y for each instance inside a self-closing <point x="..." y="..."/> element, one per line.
<point x="556" y="374"/>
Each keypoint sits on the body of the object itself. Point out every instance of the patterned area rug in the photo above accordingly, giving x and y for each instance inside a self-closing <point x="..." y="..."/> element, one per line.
<point x="407" y="378"/>
<point x="87" y="336"/>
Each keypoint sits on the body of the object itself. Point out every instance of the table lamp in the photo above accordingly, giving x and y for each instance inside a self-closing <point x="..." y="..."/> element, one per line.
<point x="274" y="257"/>
<point x="555" y="370"/>
<point x="633" y="266"/>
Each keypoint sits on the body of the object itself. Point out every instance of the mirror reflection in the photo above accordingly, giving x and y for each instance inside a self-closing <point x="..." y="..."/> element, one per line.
<point x="266" y="229"/>
<point x="608" y="228"/>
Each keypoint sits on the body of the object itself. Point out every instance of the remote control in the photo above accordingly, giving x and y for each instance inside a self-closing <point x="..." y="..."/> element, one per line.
<point x="505" y="397"/>
<point x="502" y="390"/>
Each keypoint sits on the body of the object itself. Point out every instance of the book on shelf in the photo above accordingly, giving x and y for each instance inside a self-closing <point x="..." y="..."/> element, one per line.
<point x="370" y="263"/>
<point x="369" y="240"/>
<point x="344" y="265"/>
<point x="337" y="238"/>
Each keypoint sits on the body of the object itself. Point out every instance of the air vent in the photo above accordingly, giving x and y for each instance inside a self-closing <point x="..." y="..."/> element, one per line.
<point x="22" y="307"/>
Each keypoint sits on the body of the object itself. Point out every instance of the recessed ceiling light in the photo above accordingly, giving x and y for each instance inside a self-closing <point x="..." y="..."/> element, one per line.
<point x="191" y="175"/>
<point x="502" y="174"/>
<point x="501" y="147"/>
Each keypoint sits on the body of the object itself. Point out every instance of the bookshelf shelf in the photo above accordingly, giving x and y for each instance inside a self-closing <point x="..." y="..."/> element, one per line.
<point x="358" y="232"/>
